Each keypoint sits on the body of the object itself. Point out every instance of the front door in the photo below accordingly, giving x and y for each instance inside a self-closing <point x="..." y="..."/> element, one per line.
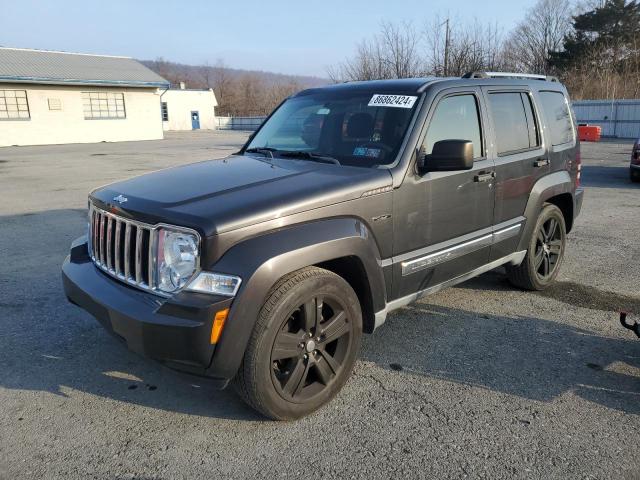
<point x="195" y="120"/>
<point x="443" y="220"/>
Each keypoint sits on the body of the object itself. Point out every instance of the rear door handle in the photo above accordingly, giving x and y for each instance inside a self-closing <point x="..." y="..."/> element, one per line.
<point x="484" y="176"/>
<point x="541" y="162"/>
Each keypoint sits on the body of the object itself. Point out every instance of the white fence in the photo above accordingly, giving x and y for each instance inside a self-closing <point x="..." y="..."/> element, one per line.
<point x="239" y="123"/>
<point x="618" y="118"/>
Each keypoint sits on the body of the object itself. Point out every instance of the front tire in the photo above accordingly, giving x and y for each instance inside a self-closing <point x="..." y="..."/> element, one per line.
<point x="303" y="346"/>
<point x="545" y="252"/>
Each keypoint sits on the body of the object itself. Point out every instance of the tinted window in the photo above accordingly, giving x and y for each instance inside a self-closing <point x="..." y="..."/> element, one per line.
<point x="455" y="118"/>
<point x="510" y="121"/>
<point x="532" y="124"/>
<point x="556" y="111"/>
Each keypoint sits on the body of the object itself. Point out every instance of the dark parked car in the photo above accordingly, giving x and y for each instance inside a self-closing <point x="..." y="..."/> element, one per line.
<point x="349" y="202"/>
<point x="634" y="167"/>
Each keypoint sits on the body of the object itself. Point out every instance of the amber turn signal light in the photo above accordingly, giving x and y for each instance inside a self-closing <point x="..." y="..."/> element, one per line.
<point x="218" y="325"/>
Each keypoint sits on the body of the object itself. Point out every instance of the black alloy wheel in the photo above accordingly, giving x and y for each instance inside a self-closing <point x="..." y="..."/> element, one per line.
<point x="310" y="348"/>
<point x="544" y="254"/>
<point x="548" y="248"/>
<point x="304" y="345"/>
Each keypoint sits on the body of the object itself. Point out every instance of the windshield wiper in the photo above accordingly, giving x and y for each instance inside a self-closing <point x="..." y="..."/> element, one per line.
<point x="266" y="151"/>
<point x="316" y="157"/>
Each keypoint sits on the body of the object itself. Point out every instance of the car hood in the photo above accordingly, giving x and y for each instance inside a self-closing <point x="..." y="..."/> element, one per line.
<point x="217" y="196"/>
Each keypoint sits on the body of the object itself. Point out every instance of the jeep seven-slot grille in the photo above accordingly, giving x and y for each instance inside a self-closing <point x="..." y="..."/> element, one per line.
<point x="122" y="248"/>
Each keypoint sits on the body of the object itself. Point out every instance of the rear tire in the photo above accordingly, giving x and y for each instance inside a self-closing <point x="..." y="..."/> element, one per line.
<point x="545" y="252"/>
<point x="634" y="176"/>
<point x="303" y="346"/>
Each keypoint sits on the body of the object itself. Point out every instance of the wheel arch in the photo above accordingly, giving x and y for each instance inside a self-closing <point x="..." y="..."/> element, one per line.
<point x="353" y="271"/>
<point x="564" y="201"/>
<point x="556" y="188"/>
<point x="344" y="246"/>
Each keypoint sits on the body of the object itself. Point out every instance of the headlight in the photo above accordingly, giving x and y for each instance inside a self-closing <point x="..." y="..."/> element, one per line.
<point x="177" y="258"/>
<point x="216" y="283"/>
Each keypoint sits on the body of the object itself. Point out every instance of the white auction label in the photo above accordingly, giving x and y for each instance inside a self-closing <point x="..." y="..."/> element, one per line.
<point x="398" y="101"/>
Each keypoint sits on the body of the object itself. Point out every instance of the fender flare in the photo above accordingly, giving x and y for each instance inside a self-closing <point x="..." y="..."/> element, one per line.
<point x="261" y="261"/>
<point x="548" y="186"/>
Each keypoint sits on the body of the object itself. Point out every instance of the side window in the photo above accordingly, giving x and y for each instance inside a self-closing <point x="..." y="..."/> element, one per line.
<point x="532" y="124"/>
<point x="513" y="133"/>
<point x="455" y="118"/>
<point x="556" y="111"/>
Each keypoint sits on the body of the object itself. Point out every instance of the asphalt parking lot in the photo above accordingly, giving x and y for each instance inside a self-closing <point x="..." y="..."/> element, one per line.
<point x="477" y="381"/>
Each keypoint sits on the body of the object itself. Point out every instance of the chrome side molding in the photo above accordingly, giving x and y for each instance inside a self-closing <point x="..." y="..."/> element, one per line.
<point x="450" y="253"/>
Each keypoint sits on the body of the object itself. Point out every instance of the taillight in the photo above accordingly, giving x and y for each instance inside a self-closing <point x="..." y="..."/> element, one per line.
<point x="635" y="155"/>
<point x="579" y="167"/>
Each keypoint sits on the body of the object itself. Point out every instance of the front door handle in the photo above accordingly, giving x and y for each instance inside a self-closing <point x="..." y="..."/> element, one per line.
<point x="484" y="176"/>
<point x="541" y="162"/>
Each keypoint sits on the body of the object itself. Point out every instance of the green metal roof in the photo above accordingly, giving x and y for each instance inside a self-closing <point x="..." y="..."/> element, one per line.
<point x="61" y="68"/>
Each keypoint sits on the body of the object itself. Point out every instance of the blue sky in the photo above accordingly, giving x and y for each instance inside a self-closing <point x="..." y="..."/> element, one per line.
<point x="298" y="37"/>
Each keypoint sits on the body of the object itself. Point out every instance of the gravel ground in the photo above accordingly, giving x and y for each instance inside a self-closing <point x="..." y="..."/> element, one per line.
<point x="479" y="381"/>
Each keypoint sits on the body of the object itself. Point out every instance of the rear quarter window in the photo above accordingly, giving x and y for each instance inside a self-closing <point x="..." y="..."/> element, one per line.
<point x="558" y="116"/>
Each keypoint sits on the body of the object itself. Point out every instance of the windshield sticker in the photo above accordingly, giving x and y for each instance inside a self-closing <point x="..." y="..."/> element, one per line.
<point x="323" y="111"/>
<point x="359" y="152"/>
<point x="366" y="152"/>
<point x="398" y="101"/>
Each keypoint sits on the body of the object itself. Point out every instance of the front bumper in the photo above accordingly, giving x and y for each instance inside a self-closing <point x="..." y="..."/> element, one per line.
<point x="175" y="331"/>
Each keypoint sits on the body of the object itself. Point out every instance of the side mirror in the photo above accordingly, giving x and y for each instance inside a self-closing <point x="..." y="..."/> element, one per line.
<point x="446" y="155"/>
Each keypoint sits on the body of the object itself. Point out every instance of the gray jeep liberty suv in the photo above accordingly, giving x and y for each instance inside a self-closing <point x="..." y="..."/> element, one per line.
<point x="350" y="201"/>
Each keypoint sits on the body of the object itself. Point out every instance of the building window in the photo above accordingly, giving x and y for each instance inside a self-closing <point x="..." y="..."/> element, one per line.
<point x="103" y="105"/>
<point x="165" y="112"/>
<point x="54" y="104"/>
<point x="14" y="105"/>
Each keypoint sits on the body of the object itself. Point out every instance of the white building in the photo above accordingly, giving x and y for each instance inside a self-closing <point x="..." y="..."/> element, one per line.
<point x="56" y="97"/>
<point x="188" y="109"/>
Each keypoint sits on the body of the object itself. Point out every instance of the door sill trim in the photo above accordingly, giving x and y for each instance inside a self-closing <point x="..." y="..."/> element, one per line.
<point x="515" y="258"/>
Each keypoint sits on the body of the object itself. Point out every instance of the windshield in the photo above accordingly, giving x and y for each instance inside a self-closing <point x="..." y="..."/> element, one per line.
<point x="347" y="128"/>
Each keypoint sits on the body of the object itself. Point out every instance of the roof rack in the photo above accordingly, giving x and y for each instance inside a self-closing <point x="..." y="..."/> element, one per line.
<point x="530" y="76"/>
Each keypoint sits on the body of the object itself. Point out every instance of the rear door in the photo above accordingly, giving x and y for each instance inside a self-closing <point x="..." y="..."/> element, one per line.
<point x="442" y="220"/>
<point x="520" y="158"/>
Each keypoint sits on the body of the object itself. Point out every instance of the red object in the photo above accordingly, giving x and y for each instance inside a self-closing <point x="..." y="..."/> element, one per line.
<point x="589" y="133"/>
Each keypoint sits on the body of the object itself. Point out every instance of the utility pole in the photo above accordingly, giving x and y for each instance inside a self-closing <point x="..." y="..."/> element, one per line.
<point x="447" y="39"/>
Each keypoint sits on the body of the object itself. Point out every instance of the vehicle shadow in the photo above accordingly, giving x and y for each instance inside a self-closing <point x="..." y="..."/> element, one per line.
<point x="525" y="356"/>
<point x="570" y="293"/>
<point x="607" y="177"/>
<point x="49" y="345"/>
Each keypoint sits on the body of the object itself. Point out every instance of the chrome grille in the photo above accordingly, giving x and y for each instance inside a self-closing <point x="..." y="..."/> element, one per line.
<point x="125" y="249"/>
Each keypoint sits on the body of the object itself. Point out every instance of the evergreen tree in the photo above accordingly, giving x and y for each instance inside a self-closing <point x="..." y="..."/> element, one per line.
<point x="611" y="33"/>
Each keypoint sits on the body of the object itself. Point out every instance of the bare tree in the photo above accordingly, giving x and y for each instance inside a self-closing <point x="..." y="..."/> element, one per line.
<point x="206" y="72"/>
<point x="238" y="92"/>
<point x="393" y="53"/>
<point x="221" y="82"/>
<point x="455" y="48"/>
<point x="542" y="31"/>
